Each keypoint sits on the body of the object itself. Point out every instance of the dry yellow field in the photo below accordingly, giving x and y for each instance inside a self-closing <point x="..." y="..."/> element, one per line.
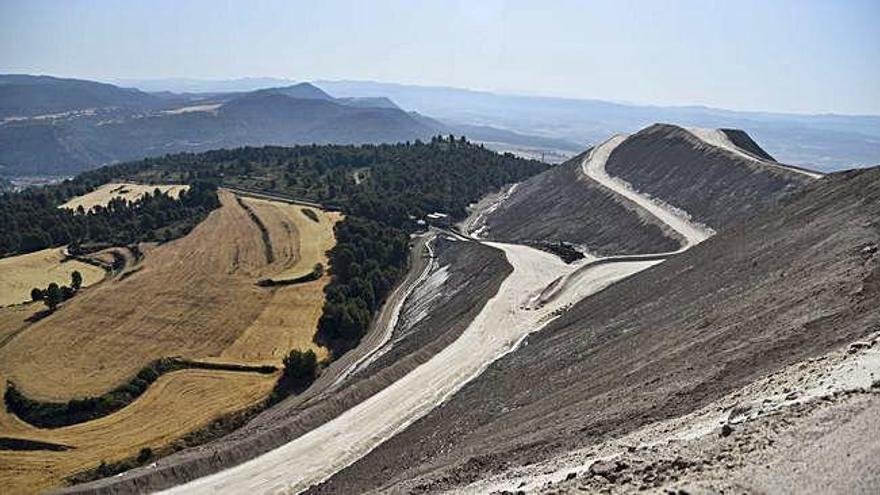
<point x="153" y="421"/>
<point x="131" y="192"/>
<point x="289" y="320"/>
<point x="19" y="274"/>
<point x="195" y="297"/>
<point x="13" y="319"/>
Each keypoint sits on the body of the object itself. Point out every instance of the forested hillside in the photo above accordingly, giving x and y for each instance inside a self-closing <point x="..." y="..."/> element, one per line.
<point x="32" y="219"/>
<point x="382" y="189"/>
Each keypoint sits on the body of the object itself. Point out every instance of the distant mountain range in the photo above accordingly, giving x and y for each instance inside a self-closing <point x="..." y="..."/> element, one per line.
<point x="54" y="126"/>
<point x="824" y="142"/>
<point x="51" y="126"/>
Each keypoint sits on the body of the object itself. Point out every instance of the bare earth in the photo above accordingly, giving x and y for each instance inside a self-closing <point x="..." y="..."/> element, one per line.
<point x="497" y="330"/>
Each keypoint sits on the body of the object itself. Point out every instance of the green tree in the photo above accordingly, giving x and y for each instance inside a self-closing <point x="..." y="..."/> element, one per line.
<point x="76" y="280"/>
<point x="301" y="367"/>
<point x="52" y="296"/>
<point x="36" y="294"/>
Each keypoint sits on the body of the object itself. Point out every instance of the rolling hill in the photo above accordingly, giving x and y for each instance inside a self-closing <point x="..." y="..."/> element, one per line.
<point x="692" y="308"/>
<point x="30" y="96"/>
<point x="54" y="126"/>
<point x="823" y="142"/>
<point x="93" y="124"/>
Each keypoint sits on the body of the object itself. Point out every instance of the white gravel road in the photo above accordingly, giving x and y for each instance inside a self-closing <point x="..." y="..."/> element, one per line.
<point x="594" y="167"/>
<point x="496" y="330"/>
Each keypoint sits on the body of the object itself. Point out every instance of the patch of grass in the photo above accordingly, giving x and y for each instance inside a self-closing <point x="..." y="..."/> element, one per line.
<point x="58" y="414"/>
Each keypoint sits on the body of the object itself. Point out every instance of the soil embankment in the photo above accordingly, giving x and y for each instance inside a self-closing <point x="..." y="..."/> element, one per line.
<point x="562" y="204"/>
<point x="717" y="187"/>
<point x="455" y="306"/>
<point x="795" y="282"/>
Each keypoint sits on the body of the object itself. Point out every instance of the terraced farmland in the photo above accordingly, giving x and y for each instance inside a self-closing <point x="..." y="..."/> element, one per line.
<point x="196" y="298"/>
<point x="175" y="405"/>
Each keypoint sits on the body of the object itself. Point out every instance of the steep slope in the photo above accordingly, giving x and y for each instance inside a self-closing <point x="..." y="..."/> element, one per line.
<point x="745" y="142"/>
<point x="715" y="185"/>
<point x="562" y="204"/>
<point x="795" y="282"/>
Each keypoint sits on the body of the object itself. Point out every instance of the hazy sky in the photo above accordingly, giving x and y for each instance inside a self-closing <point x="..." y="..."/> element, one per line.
<point x="786" y="55"/>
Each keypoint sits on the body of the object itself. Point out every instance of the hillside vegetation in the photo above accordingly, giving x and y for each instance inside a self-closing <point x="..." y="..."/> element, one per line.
<point x="34" y="219"/>
<point x="200" y="296"/>
<point x="404" y="183"/>
<point x="24" y="272"/>
<point x="197" y="298"/>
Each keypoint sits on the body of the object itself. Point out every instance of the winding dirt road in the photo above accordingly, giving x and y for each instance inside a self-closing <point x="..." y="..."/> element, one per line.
<point x="498" y="329"/>
<point x="594" y="167"/>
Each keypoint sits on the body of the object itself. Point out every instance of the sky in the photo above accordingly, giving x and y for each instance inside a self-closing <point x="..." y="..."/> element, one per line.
<point x="802" y="56"/>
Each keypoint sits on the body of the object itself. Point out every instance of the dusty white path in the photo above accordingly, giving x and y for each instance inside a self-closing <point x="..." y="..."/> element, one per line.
<point x="714" y="137"/>
<point x="496" y="330"/>
<point x="594" y="167"/>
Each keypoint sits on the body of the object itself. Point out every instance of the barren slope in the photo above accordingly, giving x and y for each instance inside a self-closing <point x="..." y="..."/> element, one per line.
<point x="703" y="177"/>
<point x="794" y="282"/>
<point x="562" y="204"/>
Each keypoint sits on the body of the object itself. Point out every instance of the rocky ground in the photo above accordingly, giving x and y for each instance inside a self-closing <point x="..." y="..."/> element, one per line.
<point x="562" y="204"/>
<point x="714" y="185"/>
<point x="791" y="285"/>
<point x="786" y="433"/>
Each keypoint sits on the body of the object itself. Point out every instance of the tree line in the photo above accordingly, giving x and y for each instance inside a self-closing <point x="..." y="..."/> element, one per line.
<point x="401" y="184"/>
<point x="53" y="295"/>
<point x="32" y="219"/>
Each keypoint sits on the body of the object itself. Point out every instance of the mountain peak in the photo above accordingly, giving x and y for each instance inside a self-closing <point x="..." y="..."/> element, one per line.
<point x="303" y="90"/>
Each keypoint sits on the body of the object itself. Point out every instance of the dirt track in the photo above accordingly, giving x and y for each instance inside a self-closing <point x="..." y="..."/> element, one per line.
<point x="680" y="221"/>
<point x="496" y="330"/>
<point x="476" y="275"/>
<point x="417" y="450"/>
